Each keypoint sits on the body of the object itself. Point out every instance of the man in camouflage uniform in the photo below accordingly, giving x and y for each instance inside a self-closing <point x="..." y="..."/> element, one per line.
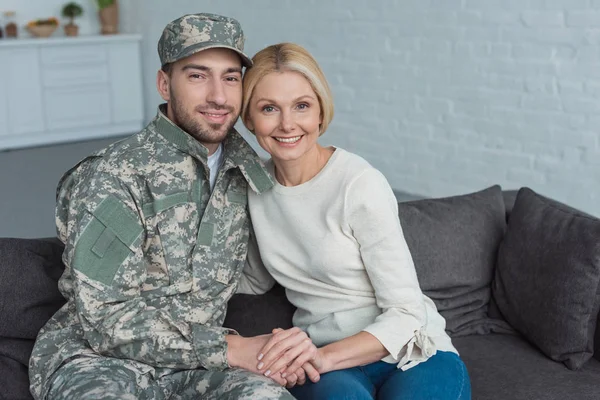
<point x="155" y="242"/>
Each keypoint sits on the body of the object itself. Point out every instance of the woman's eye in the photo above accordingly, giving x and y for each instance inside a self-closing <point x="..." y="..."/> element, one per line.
<point x="268" y="109"/>
<point x="302" y="106"/>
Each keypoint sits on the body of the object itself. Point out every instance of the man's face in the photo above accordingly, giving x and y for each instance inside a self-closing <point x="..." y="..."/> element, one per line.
<point x="204" y="94"/>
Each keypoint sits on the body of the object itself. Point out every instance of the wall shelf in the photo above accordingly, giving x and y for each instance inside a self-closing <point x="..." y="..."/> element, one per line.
<point x="68" y="89"/>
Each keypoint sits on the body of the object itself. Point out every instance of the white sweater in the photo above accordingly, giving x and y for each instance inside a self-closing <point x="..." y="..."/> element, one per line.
<point x="335" y="243"/>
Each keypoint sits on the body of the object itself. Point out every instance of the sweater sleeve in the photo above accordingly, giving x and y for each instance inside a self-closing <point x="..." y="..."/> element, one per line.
<point x="255" y="278"/>
<point x="372" y="213"/>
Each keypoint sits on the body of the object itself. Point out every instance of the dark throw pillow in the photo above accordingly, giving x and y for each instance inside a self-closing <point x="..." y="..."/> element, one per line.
<point x="510" y="196"/>
<point x="547" y="278"/>
<point x="454" y="242"/>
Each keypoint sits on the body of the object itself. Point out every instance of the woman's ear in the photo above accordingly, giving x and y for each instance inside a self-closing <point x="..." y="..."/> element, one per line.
<point x="162" y="84"/>
<point x="321" y="123"/>
<point x="248" y="123"/>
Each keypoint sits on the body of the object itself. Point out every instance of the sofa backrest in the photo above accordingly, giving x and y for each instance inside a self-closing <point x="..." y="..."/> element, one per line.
<point x="30" y="269"/>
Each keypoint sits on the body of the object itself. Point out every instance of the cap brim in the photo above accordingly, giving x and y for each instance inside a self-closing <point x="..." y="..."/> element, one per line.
<point x="246" y="61"/>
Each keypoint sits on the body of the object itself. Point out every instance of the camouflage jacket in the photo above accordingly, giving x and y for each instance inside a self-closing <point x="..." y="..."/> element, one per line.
<point x="151" y="255"/>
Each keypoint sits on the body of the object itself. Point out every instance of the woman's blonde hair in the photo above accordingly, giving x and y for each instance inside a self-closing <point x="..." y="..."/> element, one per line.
<point x="284" y="57"/>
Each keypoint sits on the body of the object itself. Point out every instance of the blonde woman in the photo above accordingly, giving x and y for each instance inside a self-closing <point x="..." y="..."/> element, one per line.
<point x="329" y="233"/>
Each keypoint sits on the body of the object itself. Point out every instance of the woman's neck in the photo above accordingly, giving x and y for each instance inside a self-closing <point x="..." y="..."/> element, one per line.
<point x="297" y="172"/>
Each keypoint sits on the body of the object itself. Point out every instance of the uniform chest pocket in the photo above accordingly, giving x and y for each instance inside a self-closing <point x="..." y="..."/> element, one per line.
<point x="215" y="283"/>
<point x="237" y="213"/>
<point x="220" y="246"/>
<point x="224" y="222"/>
<point x="176" y="228"/>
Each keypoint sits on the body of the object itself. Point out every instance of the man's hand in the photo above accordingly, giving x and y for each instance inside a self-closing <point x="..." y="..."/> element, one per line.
<point x="288" y="351"/>
<point x="243" y="353"/>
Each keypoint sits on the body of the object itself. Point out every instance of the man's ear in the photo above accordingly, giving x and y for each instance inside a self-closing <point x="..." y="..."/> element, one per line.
<point x="162" y="84"/>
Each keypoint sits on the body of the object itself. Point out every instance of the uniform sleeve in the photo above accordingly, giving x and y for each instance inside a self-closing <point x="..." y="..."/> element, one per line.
<point x="104" y="236"/>
<point x="372" y="212"/>
<point x="255" y="277"/>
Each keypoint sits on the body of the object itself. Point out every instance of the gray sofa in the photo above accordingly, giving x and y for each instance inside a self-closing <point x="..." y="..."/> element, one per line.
<point x="516" y="275"/>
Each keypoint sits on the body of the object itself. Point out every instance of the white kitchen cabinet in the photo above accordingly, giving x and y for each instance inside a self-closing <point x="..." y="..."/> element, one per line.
<point x="3" y="96"/>
<point x="24" y="92"/>
<point x="69" y="89"/>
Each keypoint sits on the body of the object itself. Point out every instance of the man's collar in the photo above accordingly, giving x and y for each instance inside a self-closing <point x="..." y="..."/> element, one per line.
<point x="238" y="153"/>
<point x="180" y="138"/>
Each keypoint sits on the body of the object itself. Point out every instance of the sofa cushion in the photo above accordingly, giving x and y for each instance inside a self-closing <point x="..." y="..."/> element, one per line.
<point x="252" y="315"/>
<point x="29" y="296"/>
<point x="597" y="340"/>
<point x="548" y="277"/>
<point x="507" y="367"/>
<point x="14" y="357"/>
<point x="453" y="242"/>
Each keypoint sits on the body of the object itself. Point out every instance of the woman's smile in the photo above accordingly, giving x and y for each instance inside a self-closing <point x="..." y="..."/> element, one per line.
<point x="288" y="141"/>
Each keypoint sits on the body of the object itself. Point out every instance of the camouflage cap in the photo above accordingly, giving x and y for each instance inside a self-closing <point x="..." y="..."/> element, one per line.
<point x="196" y="32"/>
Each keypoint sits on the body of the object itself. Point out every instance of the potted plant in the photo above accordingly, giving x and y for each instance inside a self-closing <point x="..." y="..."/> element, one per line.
<point x="108" y="10"/>
<point x="72" y="10"/>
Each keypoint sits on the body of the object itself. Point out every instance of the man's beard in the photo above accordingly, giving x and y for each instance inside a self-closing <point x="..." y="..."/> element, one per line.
<point x="211" y="133"/>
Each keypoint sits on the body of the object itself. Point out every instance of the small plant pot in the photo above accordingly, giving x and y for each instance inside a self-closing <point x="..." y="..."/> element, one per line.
<point x="71" y="29"/>
<point x="109" y="19"/>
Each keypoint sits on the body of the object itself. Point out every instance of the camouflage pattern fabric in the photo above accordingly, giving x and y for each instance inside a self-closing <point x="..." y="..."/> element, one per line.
<point x="151" y="255"/>
<point x="108" y="379"/>
<point x="195" y="32"/>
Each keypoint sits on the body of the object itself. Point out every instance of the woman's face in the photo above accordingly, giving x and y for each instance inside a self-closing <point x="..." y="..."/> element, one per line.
<point x="285" y="115"/>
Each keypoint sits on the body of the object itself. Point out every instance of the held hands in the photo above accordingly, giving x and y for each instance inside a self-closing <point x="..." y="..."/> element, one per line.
<point x="242" y="353"/>
<point x="291" y="352"/>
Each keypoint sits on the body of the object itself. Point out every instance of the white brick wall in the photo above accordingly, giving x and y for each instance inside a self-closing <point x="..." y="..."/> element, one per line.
<point x="444" y="96"/>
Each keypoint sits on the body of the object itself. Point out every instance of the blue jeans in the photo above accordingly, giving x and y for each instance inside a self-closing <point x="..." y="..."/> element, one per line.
<point x="442" y="377"/>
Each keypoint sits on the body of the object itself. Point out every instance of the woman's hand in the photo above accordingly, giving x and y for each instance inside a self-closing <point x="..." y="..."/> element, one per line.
<point x="242" y="353"/>
<point x="288" y="352"/>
